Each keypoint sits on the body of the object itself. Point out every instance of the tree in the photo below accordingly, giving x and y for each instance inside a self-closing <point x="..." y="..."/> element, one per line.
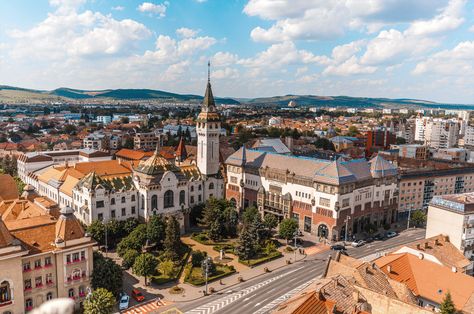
<point x="101" y="301"/>
<point x="172" y="243"/>
<point x="249" y="215"/>
<point x="270" y="221"/>
<point x="166" y="268"/>
<point x="129" y="258"/>
<point x="124" y="120"/>
<point x="325" y="144"/>
<point x="129" y="225"/>
<point x="156" y="229"/>
<point x="447" y="306"/>
<point x="418" y="217"/>
<point x="106" y="274"/>
<point x="401" y="140"/>
<point x="246" y="245"/>
<point x="97" y="231"/>
<point x="270" y="247"/>
<point x="352" y="131"/>
<point x="197" y="257"/>
<point x="288" y="228"/>
<point x="231" y="221"/>
<point x="128" y="143"/>
<point x="145" y="265"/>
<point x="135" y="240"/>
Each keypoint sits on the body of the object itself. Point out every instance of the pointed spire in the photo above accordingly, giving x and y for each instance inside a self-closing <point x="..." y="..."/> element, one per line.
<point x="157" y="149"/>
<point x="181" y="153"/>
<point x="208" y="104"/>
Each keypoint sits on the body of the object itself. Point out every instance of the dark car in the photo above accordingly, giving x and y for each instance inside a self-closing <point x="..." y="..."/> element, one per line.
<point x="338" y="247"/>
<point x="379" y="237"/>
<point x="369" y="240"/>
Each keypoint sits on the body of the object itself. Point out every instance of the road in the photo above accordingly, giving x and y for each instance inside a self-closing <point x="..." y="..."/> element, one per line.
<point x="262" y="294"/>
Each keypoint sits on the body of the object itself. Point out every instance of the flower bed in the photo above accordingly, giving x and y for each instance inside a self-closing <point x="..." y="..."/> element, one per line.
<point x="195" y="276"/>
<point x="262" y="258"/>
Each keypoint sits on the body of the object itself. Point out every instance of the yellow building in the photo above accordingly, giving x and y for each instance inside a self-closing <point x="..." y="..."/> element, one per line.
<point x="44" y="254"/>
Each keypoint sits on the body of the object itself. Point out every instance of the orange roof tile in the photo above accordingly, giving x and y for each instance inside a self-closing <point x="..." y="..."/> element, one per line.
<point x="427" y="279"/>
<point x="133" y="154"/>
<point x="8" y="188"/>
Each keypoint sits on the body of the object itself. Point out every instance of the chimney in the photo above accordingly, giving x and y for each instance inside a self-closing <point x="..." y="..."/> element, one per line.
<point x="436" y="242"/>
<point x="389" y="269"/>
<point x="418" y="246"/>
<point x="421" y="256"/>
<point x="446" y="238"/>
<point x="355" y="295"/>
<point x="454" y="269"/>
<point x="426" y="245"/>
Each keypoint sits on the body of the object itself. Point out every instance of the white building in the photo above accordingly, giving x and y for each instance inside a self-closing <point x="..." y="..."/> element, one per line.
<point x="274" y="121"/>
<point x="420" y="127"/>
<point x="441" y="133"/>
<point x="30" y="162"/>
<point x="453" y="215"/>
<point x="104" y="119"/>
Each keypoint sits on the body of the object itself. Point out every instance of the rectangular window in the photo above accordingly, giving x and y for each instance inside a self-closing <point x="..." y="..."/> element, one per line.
<point x="83" y="255"/>
<point x="345" y="202"/>
<point x="199" y="198"/>
<point x="100" y="217"/>
<point x="192" y="199"/>
<point x="38" y="263"/>
<point x="27" y="284"/>
<point x="38" y="281"/>
<point x="133" y="210"/>
<point x="68" y="258"/>
<point x="324" y="202"/>
<point x="26" y="266"/>
<point x="99" y="204"/>
<point x="123" y="212"/>
<point x="49" y="278"/>
<point x="112" y="213"/>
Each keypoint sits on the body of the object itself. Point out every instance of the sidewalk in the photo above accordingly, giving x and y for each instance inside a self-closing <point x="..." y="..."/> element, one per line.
<point x="192" y="293"/>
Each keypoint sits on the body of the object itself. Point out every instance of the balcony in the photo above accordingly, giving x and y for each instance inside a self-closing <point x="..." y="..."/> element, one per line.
<point x="5" y="303"/>
<point x="28" y="308"/>
<point x="49" y="283"/>
<point x="75" y="261"/>
<point x="28" y="289"/>
<point x="38" y="267"/>
<point x="40" y="285"/>
<point x="25" y="270"/>
<point x="82" y="294"/>
<point x="48" y="265"/>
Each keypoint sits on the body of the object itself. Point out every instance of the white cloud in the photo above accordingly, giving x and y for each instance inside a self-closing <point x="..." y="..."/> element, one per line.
<point x="349" y="67"/>
<point x="450" y="18"/>
<point x="186" y="32"/>
<point x="118" y="8"/>
<point x="458" y="61"/>
<point x="68" y="34"/>
<point x="191" y="45"/>
<point x="221" y="59"/>
<point x="317" y="19"/>
<point x="225" y="73"/>
<point x="154" y="9"/>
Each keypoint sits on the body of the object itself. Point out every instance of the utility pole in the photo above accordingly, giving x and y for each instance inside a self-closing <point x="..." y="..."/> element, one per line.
<point x="347" y="227"/>
<point x="295" y="237"/>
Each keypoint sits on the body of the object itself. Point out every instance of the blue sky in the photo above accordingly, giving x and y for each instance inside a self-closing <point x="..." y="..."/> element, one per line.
<point x="376" y="48"/>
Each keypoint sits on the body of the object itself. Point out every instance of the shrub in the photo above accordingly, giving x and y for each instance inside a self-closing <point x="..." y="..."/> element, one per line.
<point x="197" y="257"/>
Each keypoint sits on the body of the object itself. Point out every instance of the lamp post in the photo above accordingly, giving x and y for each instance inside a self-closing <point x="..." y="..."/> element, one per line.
<point x="242" y="197"/>
<point x="206" y="270"/>
<point x="295" y="236"/>
<point x="106" y="240"/>
<point x="347" y="227"/>
<point x="410" y="208"/>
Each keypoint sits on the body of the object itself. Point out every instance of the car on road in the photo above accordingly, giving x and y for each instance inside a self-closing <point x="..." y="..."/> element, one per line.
<point x="357" y="243"/>
<point x="338" y="247"/>
<point x="124" y="301"/>
<point x="391" y="234"/>
<point x="369" y="240"/>
<point x="379" y="237"/>
<point x="137" y="295"/>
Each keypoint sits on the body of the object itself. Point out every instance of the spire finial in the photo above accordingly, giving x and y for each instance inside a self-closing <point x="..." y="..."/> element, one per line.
<point x="209" y="71"/>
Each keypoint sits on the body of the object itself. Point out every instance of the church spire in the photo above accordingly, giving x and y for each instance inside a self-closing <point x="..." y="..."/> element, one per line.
<point x="208" y="104"/>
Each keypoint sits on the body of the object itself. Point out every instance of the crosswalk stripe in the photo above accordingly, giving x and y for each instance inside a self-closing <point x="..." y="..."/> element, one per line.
<point x="215" y="306"/>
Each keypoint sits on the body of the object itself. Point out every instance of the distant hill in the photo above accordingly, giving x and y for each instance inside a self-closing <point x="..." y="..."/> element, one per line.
<point x="64" y="94"/>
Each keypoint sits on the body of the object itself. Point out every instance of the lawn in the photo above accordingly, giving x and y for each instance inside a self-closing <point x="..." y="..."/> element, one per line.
<point x="160" y="279"/>
<point x="195" y="276"/>
<point x="204" y="239"/>
<point x="261" y="258"/>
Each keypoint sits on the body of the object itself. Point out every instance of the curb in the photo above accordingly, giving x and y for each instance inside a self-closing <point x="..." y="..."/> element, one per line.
<point x="237" y="283"/>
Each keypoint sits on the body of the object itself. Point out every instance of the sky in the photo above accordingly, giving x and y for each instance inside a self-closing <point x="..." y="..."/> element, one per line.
<point x="421" y="49"/>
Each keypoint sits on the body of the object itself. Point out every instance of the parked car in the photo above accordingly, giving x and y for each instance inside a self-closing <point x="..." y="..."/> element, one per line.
<point x="357" y="243"/>
<point x="391" y="234"/>
<point x="379" y="237"/>
<point x="124" y="300"/>
<point x="338" y="247"/>
<point x="369" y="240"/>
<point x="137" y="295"/>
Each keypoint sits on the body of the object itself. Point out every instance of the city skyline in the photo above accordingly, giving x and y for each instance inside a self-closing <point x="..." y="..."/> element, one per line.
<point x="257" y="48"/>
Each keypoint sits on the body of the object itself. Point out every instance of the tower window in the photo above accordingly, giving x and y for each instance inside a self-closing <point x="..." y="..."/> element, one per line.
<point x="168" y="200"/>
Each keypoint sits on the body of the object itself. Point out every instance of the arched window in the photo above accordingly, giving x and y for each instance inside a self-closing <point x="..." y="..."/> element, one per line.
<point x="70" y="293"/>
<point x="5" y="292"/>
<point x="154" y="202"/>
<point x="199" y="187"/>
<point x="82" y="291"/>
<point x="49" y="296"/>
<point x="123" y="199"/>
<point x="192" y="188"/>
<point x="133" y="198"/>
<point x="168" y="200"/>
<point x="29" y="304"/>
<point x="112" y="201"/>
<point x="143" y="202"/>
<point x="211" y="186"/>
<point x="182" y="197"/>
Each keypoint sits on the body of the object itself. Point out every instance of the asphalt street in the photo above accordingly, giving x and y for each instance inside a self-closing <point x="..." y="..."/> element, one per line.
<point x="263" y="293"/>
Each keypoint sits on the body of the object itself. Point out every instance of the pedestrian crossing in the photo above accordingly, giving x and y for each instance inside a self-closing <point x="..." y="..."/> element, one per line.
<point x="150" y="307"/>
<point x="218" y="304"/>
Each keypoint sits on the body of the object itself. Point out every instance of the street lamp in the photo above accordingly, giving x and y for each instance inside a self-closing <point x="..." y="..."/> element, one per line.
<point x="295" y="236"/>
<point x="206" y="264"/>
<point x="347" y="227"/>
<point x="106" y="241"/>
<point x="410" y="208"/>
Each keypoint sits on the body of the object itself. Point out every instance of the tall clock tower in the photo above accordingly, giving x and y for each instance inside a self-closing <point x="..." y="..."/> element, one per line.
<point x="208" y="129"/>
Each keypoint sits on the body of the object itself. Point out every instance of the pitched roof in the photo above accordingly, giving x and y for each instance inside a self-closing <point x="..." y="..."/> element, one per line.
<point x="8" y="188"/>
<point x="379" y="167"/>
<point x="274" y="145"/>
<point x="181" y="152"/>
<point x="155" y="165"/>
<point x="132" y="154"/>
<point x="428" y="279"/>
<point x="68" y="227"/>
<point x="6" y="239"/>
